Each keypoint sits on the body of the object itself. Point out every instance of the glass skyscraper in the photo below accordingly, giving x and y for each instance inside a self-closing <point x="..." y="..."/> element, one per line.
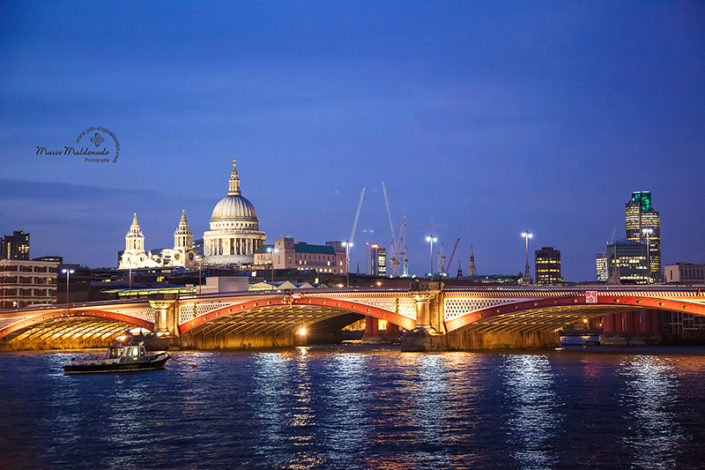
<point x="639" y="214"/>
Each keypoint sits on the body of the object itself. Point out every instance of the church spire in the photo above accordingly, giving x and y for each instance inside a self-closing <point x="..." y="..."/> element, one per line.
<point x="472" y="270"/>
<point x="183" y="224"/>
<point x="234" y="186"/>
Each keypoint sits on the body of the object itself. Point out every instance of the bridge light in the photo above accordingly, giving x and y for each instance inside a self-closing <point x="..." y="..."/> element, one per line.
<point x="301" y="332"/>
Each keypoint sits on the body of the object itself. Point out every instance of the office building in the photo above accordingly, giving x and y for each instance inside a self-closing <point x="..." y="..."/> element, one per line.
<point x="643" y="225"/>
<point x="288" y="254"/>
<point x="378" y="261"/>
<point x="15" y="246"/>
<point x="684" y="273"/>
<point x="601" y="267"/>
<point x="24" y="283"/>
<point x="52" y="259"/>
<point x="548" y="266"/>
<point x="626" y="262"/>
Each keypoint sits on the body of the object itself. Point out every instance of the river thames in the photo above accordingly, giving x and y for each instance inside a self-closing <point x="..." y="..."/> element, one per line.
<point x="320" y="407"/>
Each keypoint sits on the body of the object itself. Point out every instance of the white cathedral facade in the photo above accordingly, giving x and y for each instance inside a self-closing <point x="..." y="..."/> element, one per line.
<point x="233" y="238"/>
<point x="134" y="255"/>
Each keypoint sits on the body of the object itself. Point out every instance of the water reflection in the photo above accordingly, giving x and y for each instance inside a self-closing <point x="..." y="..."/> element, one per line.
<point x="534" y="412"/>
<point x="375" y="408"/>
<point x="346" y="392"/>
<point x="653" y="432"/>
<point x="270" y="380"/>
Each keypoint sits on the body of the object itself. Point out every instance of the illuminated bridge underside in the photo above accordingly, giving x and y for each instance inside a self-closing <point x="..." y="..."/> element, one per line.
<point x="64" y="328"/>
<point x="282" y="316"/>
<point x="550" y="314"/>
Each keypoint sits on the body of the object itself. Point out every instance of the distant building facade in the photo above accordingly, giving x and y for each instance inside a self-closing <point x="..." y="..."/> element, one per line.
<point x="639" y="214"/>
<point x="24" y="283"/>
<point x="626" y="262"/>
<point x="601" y="272"/>
<point x="135" y="257"/>
<point x="684" y="273"/>
<point x="15" y="246"/>
<point x="548" y="266"/>
<point x="288" y="254"/>
<point x="51" y="259"/>
<point x="378" y="261"/>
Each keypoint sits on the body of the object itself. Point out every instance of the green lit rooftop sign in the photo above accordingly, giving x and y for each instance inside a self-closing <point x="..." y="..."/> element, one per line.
<point x="644" y="199"/>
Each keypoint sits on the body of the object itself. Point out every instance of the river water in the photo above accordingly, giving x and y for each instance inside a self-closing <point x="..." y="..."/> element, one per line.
<point x="360" y="408"/>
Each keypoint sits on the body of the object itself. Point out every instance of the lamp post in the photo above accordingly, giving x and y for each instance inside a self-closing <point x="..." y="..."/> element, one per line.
<point x="347" y="244"/>
<point x="271" y="251"/>
<point x="68" y="273"/>
<point x="527" y="272"/>
<point x="200" y="277"/>
<point x="648" y="231"/>
<point x="431" y="239"/>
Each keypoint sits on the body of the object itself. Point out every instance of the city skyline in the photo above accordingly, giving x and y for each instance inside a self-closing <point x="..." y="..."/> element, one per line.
<point x="480" y="119"/>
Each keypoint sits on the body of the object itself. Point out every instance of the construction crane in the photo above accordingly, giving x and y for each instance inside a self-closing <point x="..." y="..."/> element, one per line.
<point x="395" y="250"/>
<point x="349" y="242"/>
<point x="441" y="259"/>
<point x="401" y="243"/>
<point x="451" y="256"/>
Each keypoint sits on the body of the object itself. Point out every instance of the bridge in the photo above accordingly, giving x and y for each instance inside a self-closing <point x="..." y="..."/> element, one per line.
<point x="436" y="316"/>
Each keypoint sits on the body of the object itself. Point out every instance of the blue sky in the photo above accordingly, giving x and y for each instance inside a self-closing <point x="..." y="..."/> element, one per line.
<point x="485" y="118"/>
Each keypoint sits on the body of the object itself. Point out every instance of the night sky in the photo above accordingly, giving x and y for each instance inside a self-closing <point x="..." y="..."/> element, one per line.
<point x="483" y="119"/>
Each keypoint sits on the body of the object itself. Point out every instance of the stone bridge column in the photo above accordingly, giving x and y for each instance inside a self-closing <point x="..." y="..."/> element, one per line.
<point x="165" y="316"/>
<point x="423" y="311"/>
<point x="429" y="332"/>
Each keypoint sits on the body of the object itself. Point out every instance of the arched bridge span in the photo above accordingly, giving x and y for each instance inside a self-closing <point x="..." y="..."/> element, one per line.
<point x="75" y="326"/>
<point x="274" y="314"/>
<point x="551" y="312"/>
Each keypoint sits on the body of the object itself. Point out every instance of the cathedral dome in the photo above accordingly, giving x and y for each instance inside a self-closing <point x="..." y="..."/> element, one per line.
<point x="234" y="233"/>
<point x="234" y="209"/>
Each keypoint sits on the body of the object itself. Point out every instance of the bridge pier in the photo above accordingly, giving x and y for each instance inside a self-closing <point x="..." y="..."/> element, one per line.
<point x="633" y="328"/>
<point x="429" y="334"/>
<point x="472" y="339"/>
<point x="165" y="315"/>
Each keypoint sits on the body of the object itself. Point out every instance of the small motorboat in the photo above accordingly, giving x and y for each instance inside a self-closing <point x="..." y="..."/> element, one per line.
<point x="131" y="358"/>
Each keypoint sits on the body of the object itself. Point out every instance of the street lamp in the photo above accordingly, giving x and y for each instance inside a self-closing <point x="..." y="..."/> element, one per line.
<point x="200" y="277"/>
<point x="271" y="252"/>
<point x="347" y="245"/>
<point x="68" y="273"/>
<point x="431" y="239"/>
<point x="648" y="231"/>
<point x="527" y="272"/>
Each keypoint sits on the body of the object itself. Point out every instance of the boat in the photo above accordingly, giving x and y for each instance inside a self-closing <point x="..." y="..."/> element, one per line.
<point x="130" y="358"/>
<point x="579" y="337"/>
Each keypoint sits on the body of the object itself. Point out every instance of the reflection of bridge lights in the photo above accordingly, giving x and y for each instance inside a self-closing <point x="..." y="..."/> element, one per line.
<point x="301" y="332"/>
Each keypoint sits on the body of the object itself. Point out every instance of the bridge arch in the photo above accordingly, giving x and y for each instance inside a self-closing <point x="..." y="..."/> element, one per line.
<point x="69" y="328"/>
<point x="552" y="313"/>
<point x="284" y="314"/>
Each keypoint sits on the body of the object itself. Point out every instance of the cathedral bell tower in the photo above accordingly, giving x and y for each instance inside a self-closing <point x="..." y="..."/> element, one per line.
<point x="183" y="254"/>
<point x="134" y="254"/>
